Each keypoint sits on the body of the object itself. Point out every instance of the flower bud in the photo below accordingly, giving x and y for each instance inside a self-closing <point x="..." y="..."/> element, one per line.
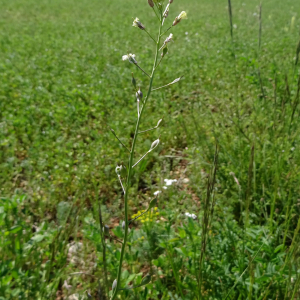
<point x="106" y="230"/>
<point x="170" y="1"/>
<point x="160" y="7"/>
<point x="146" y="280"/>
<point x="153" y="203"/>
<point x="150" y="2"/>
<point x="133" y="81"/>
<point x="114" y="285"/>
<point x="137" y="23"/>
<point x="181" y="16"/>
<point x="139" y="95"/>
<point x="123" y="225"/>
<point x="154" y="145"/>
<point x="165" y="51"/>
<point x="118" y="170"/>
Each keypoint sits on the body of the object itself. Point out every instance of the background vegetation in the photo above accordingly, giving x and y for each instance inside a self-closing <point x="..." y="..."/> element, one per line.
<point x="62" y="82"/>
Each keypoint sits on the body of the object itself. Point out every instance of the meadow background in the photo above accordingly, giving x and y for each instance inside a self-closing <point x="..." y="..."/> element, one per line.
<point x="63" y="85"/>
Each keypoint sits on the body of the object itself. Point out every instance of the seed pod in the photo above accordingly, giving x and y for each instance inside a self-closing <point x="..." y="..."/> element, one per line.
<point x="154" y="145"/>
<point x="150" y="2"/>
<point x="153" y="203"/>
<point x="133" y="81"/>
<point x="159" y="121"/>
<point x="146" y="280"/>
<point x="165" y="51"/>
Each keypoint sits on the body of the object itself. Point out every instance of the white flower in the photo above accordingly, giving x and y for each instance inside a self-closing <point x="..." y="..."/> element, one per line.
<point x="137" y="23"/>
<point x="164" y="187"/>
<point x="182" y="15"/>
<point x="130" y="57"/>
<point x="169" y="181"/>
<point x="193" y="216"/>
<point x="156" y="193"/>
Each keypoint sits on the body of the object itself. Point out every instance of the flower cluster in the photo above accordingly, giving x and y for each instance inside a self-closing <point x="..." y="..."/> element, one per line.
<point x="193" y="216"/>
<point x="147" y="217"/>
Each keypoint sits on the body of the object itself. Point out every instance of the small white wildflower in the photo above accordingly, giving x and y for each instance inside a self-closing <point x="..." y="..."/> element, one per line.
<point x="165" y="187"/>
<point x="193" y="216"/>
<point x="130" y="57"/>
<point x="234" y="26"/>
<point x="67" y="286"/>
<point x="154" y="145"/>
<point x="137" y="23"/>
<point x="169" y="181"/>
<point x="186" y="33"/>
<point x="292" y="280"/>
<point x="182" y="15"/>
<point x="292" y="149"/>
<point x="156" y="193"/>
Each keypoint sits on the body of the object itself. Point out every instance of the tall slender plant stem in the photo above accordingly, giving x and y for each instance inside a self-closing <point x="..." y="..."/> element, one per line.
<point x="130" y="164"/>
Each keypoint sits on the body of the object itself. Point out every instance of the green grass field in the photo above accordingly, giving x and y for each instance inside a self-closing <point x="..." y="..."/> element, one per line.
<point x="63" y="85"/>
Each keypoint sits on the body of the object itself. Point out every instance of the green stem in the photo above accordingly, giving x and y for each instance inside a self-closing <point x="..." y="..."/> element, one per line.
<point x="150" y="36"/>
<point x="166" y="31"/>
<point x="115" y="293"/>
<point x="143" y="70"/>
<point x="156" y="14"/>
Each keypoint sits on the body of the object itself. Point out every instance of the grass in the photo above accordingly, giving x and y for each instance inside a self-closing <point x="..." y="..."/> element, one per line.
<point x="63" y="85"/>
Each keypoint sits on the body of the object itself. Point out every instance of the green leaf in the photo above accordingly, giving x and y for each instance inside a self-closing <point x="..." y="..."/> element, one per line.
<point x="278" y="248"/>
<point x="38" y="238"/>
<point x="15" y="229"/>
